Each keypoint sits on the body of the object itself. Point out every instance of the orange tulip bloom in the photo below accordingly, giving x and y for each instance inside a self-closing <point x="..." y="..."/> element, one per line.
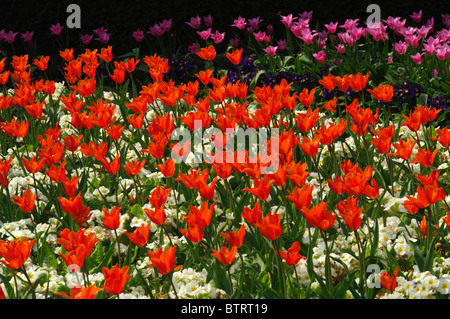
<point x="26" y="202"/>
<point x="404" y="149"/>
<point x="252" y="215"/>
<point x="261" y="188"/>
<point x="306" y="121"/>
<point x="205" y="191"/>
<point x="350" y="213"/>
<point x="85" y="87"/>
<point x="208" y="53"/>
<point x="358" y="81"/>
<point x="382" y="92"/>
<point x="383" y="140"/>
<point x="328" y="134"/>
<point x="444" y="137"/>
<point x="158" y="216"/>
<point x="194" y="232"/>
<point x="140" y="235"/>
<point x="163" y="261"/>
<point x="291" y="256"/>
<point x="67" y="54"/>
<point x="413" y="122"/>
<point x="225" y="256"/>
<point x="73" y="207"/>
<point x="297" y="173"/>
<point x="270" y="226"/>
<point x="81" y="292"/>
<point x="319" y="217"/>
<point x="106" y="54"/>
<point x="111" y="219"/>
<point x="423" y="227"/>
<point x="77" y="256"/>
<point x="234" y="239"/>
<point x="57" y="173"/>
<point x="159" y="196"/>
<point x="425" y="158"/>
<point x="115" y="131"/>
<point x="72" y="142"/>
<point x="16" y="252"/>
<point x="112" y="167"/>
<point x="204" y="76"/>
<point x="235" y="56"/>
<point x="306" y="98"/>
<point x="167" y="168"/>
<point x="328" y="82"/>
<point x="71" y="240"/>
<point x="200" y="216"/>
<point x="388" y="282"/>
<point x="431" y="179"/>
<point x="330" y="105"/>
<point x="301" y="196"/>
<point x="115" y="279"/>
<point x="15" y="128"/>
<point x="42" y="63"/>
<point x="133" y="168"/>
<point x="35" y="109"/>
<point x="310" y="147"/>
<point x="446" y="219"/>
<point x="136" y="121"/>
<point x="32" y="166"/>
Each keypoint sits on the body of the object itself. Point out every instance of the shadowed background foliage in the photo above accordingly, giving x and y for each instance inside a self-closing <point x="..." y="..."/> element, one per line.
<point x="121" y="18"/>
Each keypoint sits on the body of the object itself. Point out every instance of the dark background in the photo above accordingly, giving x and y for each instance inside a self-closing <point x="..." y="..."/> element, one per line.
<point x="121" y="18"/>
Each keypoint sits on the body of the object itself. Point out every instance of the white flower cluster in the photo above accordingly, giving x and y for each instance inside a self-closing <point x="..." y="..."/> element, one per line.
<point x="191" y="284"/>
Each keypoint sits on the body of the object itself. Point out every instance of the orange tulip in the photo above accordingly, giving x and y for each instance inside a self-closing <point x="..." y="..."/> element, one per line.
<point x="234" y="239"/>
<point x="208" y="53"/>
<point x="235" y="56"/>
<point x="106" y="54"/>
<point x="306" y="98"/>
<point x="159" y="196"/>
<point x="57" y="173"/>
<point x="89" y="292"/>
<point x="163" y="261"/>
<point x="444" y="136"/>
<point x="270" y="226"/>
<point x="358" y="81"/>
<point x="425" y="158"/>
<point x="261" y="188"/>
<point x="42" y="63"/>
<point x="73" y="207"/>
<point x="291" y="256"/>
<point x="4" y="170"/>
<point x="15" y="253"/>
<point x="225" y="256"/>
<point x="301" y="196"/>
<point x="140" y="235"/>
<point x="319" y="217"/>
<point x="383" y="140"/>
<point x="306" y="121"/>
<point x="111" y="219"/>
<point x="71" y="240"/>
<point x="382" y="92"/>
<point x="252" y="215"/>
<point x="158" y="216"/>
<point x="134" y="167"/>
<point x="423" y="227"/>
<point x="167" y="168"/>
<point x="404" y="149"/>
<point x="328" y="82"/>
<point x="388" y="282"/>
<point x="350" y="213"/>
<point x="67" y="54"/>
<point x="194" y="232"/>
<point x="201" y="216"/>
<point x="26" y="202"/>
<point x="115" y="279"/>
<point x="446" y="219"/>
<point x="77" y="256"/>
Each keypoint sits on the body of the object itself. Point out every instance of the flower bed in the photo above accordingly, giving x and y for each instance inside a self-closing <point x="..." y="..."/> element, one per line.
<point x="314" y="166"/>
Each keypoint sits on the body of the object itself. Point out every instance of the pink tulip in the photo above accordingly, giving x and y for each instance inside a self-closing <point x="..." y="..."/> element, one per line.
<point x="195" y="22"/>
<point x="417" y="58"/>
<point x="271" y="50"/>
<point x="320" y="56"/>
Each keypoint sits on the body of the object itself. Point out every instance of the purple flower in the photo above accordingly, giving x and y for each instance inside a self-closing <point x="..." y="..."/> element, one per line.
<point x="218" y="37"/>
<point x="306" y="15"/>
<point x="282" y="44"/>
<point x="10" y="36"/>
<point x="239" y="23"/>
<point x="271" y="50"/>
<point x="205" y="34"/>
<point x="103" y="37"/>
<point x="138" y="35"/>
<point x="254" y="24"/>
<point x="234" y="42"/>
<point x="331" y="27"/>
<point x="27" y="36"/>
<point x="56" y="29"/>
<point x="193" y="48"/>
<point x="417" y="58"/>
<point x="445" y="19"/>
<point x="86" y="38"/>
<point x="416" y="16"/>
<point x="287" y="20"/>
<point x="156" y="30"/>
<point x="166" y="25"/>
<point x="208" y="20"/>
<point x="319" y="56"/>
<point x="195" y="22"/>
